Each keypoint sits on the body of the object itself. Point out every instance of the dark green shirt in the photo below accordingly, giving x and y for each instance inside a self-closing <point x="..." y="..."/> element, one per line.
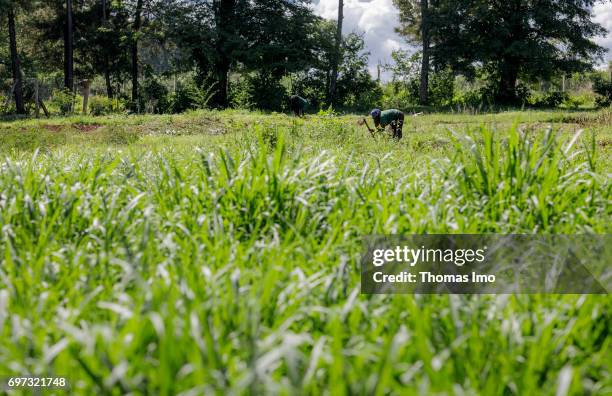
<point x="303" y="102"/>
<point x="388" y="116"/>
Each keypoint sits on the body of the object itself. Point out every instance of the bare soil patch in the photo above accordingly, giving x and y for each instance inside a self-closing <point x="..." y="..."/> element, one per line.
<point x="53" y="128"/>
<point x="86" y="127"/>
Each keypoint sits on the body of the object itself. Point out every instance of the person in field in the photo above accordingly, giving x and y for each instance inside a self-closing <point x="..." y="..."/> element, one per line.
<point x="297" y="104"/>
<point x="392" y="117"/>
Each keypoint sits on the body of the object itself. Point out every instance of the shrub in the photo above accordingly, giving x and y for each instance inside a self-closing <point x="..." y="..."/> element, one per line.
<point x="575" y="101"/>
<point x="240" y="94"/>
<point x="603" y="89"/>
<point x="441" y="88"/>
<point x="550" y="99"/>
<point x="523" y="93"/>
<point x="470" y="98"/>
<point x="155" y="96"/>
<point x="364" y="100"/>
<point x="63" y="100"/>
<point x="190" y="97"/>
<point x="101" y="105"/>
<point x="267" y="93"/>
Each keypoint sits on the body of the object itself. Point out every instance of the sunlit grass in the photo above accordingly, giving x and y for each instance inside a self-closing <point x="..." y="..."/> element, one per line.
<point x="228" y="263"/>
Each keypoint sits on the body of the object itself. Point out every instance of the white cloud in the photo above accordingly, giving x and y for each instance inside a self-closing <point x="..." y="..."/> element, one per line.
<point x="377" y="19"/>
<point x="603" y="15"/>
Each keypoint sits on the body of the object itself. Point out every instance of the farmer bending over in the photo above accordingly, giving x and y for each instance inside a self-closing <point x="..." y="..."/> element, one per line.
<point x="392" y="117"/>
<point x="297" y="105"/>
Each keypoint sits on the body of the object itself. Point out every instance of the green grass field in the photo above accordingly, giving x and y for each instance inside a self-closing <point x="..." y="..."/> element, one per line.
<point x="218" y="253"/>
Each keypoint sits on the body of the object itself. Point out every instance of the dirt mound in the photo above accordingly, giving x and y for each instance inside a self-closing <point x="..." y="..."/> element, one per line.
<point x="86" y="127"/>
<point x="53" y="128"/>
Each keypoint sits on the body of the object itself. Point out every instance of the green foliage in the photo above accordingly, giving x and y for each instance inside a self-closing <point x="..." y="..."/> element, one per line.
<point x="578" y="100"/>
<point x="396" y="97"/>
<point x="549" y="99"/>
<point x="266" y="91"/>
<point x="154" y="95"/>
<point x="231" y="262"/>
<point x="355" y="87"/>
<point x="469" y="98"/>
<point x="406" y="94"/>
<point x="603" y="89"/>
<point x="527" y="174"/>
<point x="327" y="113"/>
<point x="252" y="47"/>
<point x="189" y="96"/>
<point x="102" y="105"/>
<point x="513" y="40"/>
<point x="441" y="87"/>
<point x="241" y="93"/>
<point x="64" y="101"/>
<point x="406" y="74"/>
<point x="268" y="38"/>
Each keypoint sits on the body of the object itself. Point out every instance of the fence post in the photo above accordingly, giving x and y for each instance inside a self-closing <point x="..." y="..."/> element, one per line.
<point x="563" y="88"/>
<point x="86" y="89"/>
<point x="36" y="98"/>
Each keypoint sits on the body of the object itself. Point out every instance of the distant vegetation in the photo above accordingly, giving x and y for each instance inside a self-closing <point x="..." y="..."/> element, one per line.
<point x="169" y="56"/>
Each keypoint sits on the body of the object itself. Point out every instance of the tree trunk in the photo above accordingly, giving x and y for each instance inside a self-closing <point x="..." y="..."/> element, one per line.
<point x="424" y="84"/>
<point x="68" y="49"/>
<point x="137" y="23"/>
<point x="337" y="55"/>
<point x="36" y="98"/>
<point x="109" y="86"/>
<point x="225" y="29"/>
<point x="506" y="91"/>
<point x="15" y="64"/>
<point x="223" y="67"/>
<point x="107" y="77"/>
<point x="86" y="91"/>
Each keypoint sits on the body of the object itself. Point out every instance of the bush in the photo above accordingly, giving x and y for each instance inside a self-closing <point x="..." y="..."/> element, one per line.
<point x="310" y="85"/>
<point x="406" y="94"/>
<point x="190" y="97"/>
<point x="603" y="89"/>
<point x="470" y="98"/>
<point x="398" y="97"/>
<point x="575" y="101"/>
<point x="240" y="94"/>
<point x="155" y="96"/>
<point x="550" y="99"/>
<point x="364" y="99"/>
<point x="102" y="105"/>
<point x="63" y="100"/>
<point x="441" y="88"/>
<point x="183" y="99"/>
<point x="523" y="93"/>
<point x="267" y="93"/>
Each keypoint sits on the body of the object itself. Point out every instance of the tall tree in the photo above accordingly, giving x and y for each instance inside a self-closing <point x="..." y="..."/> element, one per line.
<point x="355" y="86"/>
<point x="226" y="30"/>
<point x="424" y="85"/>
<point x="337" y="54"/>
<point x="212" y="34"/>
<point x="137" y="25"/>
<point x="69" y="48"/>
<point x="515" y="39"/>
<point x="107" y="76"/>
<point x="415" y="25"/>
<point x="15" y="63"/>
<point x="264" y="39"/>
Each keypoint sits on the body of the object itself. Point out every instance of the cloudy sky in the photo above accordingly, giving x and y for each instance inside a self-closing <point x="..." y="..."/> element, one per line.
<point x="378" y="18"/>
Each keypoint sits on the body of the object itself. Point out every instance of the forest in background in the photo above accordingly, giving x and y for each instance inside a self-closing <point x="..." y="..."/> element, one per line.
<point x="169" y="56"/>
